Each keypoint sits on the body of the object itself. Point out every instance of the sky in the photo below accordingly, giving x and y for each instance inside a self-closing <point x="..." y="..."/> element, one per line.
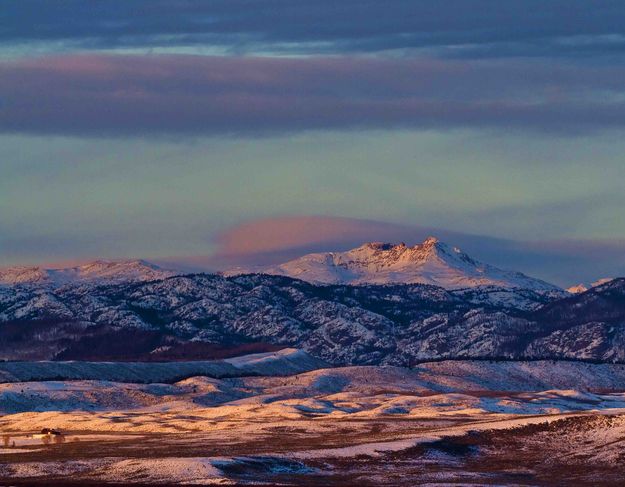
<point x="215" y="133"/>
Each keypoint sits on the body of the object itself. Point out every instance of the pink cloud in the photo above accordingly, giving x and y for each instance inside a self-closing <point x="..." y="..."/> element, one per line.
<point x="293" y="232"/>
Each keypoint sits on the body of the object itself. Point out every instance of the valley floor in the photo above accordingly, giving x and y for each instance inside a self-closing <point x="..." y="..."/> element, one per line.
<point x="363" y="426"/>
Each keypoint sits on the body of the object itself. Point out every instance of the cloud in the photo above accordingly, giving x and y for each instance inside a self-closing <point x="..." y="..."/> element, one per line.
<point x="291" y="234"/>
<point x="135" y="95"/>
<point x="454" y="27"/>
<point x="274" y="240"/>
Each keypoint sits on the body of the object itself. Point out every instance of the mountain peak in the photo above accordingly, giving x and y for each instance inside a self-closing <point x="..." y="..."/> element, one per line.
<point x="430" y="262"/>
<point x="428" y="244"/>
<point x="583" y="287"/>
<point x="430" y="241"/>
<point x="376" y="246"/>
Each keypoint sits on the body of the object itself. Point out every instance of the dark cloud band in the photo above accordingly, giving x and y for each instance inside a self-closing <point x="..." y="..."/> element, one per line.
<point x="134" y="95"/>
<point x="480" y="27"/>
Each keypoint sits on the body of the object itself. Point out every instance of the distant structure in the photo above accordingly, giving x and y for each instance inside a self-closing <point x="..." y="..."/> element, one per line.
<point x="47" y="435"/>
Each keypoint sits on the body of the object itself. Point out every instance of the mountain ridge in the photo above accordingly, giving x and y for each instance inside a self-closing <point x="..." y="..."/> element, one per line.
<point x="430" y="262"/>
<point x="97" y="271"/>
<point x="400" y="324"/>
<point x="583" y="287"/>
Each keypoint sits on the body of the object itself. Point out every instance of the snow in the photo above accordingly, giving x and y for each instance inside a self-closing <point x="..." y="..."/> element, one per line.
<point x="200" y="430"/>
<point x="282" y="362"/>
<point x="372" y="324"/>
<point x="579" y="288"/>
<point x="41" y="469"/>
<point x="431" y="262"/>
<point x="522" y="375"/>
<point x="434" y="389"/>
<point x="96" y="272"/>
<point x="369" y="449"/>
<point x="583" y="287"/>
<point x="592" y="439"/>
<point x="173" y="470"/>
<point x="287" y="361"/>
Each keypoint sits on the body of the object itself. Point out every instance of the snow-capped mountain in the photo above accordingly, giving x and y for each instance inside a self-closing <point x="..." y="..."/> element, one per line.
<point x="583" y="287"/>
<point x="388" y="312"/>
<point x="99" y="271"/>
<point x="431" y="262"/>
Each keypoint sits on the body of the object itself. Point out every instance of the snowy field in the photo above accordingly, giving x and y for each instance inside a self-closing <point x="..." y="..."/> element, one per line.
<point x="460" y="422"/>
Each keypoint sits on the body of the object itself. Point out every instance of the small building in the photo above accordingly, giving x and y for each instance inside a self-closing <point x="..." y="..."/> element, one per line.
<point x="47" y="433"/>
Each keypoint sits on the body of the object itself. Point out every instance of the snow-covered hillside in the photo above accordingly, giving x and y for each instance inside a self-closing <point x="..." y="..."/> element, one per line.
<point x="472" y="421"/>
<point x="96" y="272"/>
<point x="431" y="262"/>
<point x="283" y="362"/>
<point x="207" y="316"/>
<point x="94" y="387"/>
